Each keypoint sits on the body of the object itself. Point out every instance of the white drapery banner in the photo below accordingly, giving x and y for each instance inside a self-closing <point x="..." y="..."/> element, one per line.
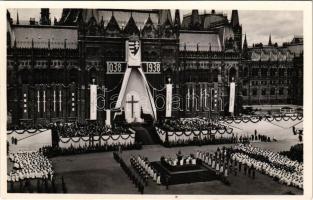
<point x="169" y="89"/>
<point x="133" y="53"/>
<point x="108" y="118"/>
<point x="93" y="102"/>
<point x="232" y="97"/>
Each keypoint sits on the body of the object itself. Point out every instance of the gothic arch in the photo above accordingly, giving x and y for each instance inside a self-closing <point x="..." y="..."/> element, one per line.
<point x="232" y="74"/>
<point x="215" y="74"/>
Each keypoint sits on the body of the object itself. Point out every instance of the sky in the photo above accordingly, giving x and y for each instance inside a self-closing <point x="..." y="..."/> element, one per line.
<point x="258" y="25"/>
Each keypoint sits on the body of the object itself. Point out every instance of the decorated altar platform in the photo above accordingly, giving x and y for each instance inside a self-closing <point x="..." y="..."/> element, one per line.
<point x="184" y="173"/>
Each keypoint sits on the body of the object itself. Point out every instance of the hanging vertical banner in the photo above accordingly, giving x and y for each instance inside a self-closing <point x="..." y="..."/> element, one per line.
<point x="93" y="102"/>
<point x="169" y="88"/>
<point x="133" y="52"/>
<point x="108" y="118"/>
<point x="232" y="97"/>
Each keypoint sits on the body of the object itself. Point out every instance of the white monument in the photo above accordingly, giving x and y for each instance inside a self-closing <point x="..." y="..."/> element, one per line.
<point x="135" y="93"/>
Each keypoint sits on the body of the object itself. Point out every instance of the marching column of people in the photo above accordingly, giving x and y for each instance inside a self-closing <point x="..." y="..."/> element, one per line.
<point x="137" y="181"/>
<point x="218" y="161"/>
<point x="145" y="169"/>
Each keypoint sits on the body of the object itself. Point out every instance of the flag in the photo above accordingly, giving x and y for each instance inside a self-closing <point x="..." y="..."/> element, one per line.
<point x="133" y="55"/>
<point x="232" y="97"/>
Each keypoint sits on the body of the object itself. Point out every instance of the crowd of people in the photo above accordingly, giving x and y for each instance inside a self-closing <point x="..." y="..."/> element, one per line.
<point x="77" y="129"/>
<point x="137" y="180"/>
<point x="210" y="140"/>
<point x="30" y="165"/>
<point x="50" y="151"/>
<point x="187" y="124"/>
<point x="145" y="169"/>
<point x="273" y="164"/>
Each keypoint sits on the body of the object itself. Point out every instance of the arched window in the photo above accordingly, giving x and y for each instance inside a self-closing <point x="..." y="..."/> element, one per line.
<point x="273" y="91"/>
<point x="73" y="75"/>
<point x="93" y="75"/>
<point x="263" y="72"/>
<point x="255" y="72"/>
<point x="232" y="74"/>
<point x="272" y="72"/>
<point x="245" y="72"/>
<point x="214" y="76"/>
<point x="25" y="76"/>
<point x="263" y="91"/>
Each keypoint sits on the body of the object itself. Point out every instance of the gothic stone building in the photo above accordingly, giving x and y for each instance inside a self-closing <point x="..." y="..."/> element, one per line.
<point x="272" y="74"/>
<point x="51" y="66"/>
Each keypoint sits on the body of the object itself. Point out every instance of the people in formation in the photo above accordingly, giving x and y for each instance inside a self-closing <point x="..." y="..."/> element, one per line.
<point x="145" y="169"/>
<point x="271" y="163"/>
<point x="30" y="165"/>
<point x="136" y="180"/>
<point x="218" y="161"/>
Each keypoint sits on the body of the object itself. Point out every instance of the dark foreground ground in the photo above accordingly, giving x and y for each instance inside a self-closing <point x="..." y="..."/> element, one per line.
<point x="99" y="173"/>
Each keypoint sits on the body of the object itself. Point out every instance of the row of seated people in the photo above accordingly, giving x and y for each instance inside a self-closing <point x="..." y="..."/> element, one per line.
<point x="30" y="165"/>
<point x="283" y="174"/>
<point x="205" y="141"/>
<point x="187" y="124"/>
<point x="80" y="130"/>
<point x="137" y="181"/>
<point x="144" y="167"/>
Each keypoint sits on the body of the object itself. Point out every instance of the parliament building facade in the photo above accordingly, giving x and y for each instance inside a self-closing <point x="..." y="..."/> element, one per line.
<point x="50" y="66"/>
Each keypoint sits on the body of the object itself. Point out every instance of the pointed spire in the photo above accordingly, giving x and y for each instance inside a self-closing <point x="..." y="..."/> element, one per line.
<point x="177" y="19"/>
<point x="65" y="43"/>
<point x="234" y="18"/>
<point x="131" y="27"/>
<point x="270" y="40"/>
<point x="17" y="18"/>
<point x="195" y="21"/>
<point x="45" y="16"/>
<point x="112" y="25"/>
<point x="15" y="43"/>
<point x="48" y="43"/>
<point x="164" y="16"/>
<point x="245" y="44"/>
<point x="177" y="23"/>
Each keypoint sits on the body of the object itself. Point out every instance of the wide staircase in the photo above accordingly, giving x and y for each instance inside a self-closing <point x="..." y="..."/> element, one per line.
<point x="146" y="134"/>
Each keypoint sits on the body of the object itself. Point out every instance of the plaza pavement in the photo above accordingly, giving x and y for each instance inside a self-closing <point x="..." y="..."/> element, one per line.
<point x="99" y="173"/>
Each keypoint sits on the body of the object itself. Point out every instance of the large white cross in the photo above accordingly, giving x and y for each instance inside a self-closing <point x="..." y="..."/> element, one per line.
<point x="137" y="44"/>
